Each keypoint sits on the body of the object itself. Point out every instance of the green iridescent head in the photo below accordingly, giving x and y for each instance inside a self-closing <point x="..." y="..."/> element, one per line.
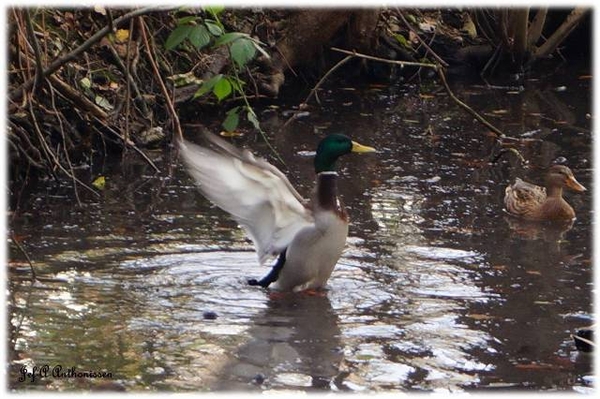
<point x="334" y="146"/>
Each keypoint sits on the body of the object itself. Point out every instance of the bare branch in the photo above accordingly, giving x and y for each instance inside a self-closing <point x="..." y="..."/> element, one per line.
<point x="536" y="27"/>
<point x="57" y="64"/>
<point x="561" y="33"/>
<point x="442" y="76"/>
<point x="163" y="88"/>
<point x="39" y="69"/>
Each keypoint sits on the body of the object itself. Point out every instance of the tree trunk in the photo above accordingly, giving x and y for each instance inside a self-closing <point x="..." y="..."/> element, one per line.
<point x="518" y="22"/>
<point x="561" y="33"/>
<point x="309" y="32"/>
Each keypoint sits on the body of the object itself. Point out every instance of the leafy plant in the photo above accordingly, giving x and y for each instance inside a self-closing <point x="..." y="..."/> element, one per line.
<point x="198" y="31"/>
<point x="201" y="32"/>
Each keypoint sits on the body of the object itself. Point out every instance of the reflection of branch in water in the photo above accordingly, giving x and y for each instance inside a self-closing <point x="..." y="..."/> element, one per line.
<point x="15" y="327"/>
<point x="294" y="342"/>
<point x="559" y="110"/>
<point x="18" y="244"/>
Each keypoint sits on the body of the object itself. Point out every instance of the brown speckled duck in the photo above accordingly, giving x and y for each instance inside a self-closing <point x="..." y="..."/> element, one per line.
<point x="530" y="202"/>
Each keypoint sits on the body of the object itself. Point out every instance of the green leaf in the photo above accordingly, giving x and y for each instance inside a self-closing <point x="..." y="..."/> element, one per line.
<point x="199" y="36"/>
<point x="236" y="84"/>
<point x="213" y="27"/>
<point x="103" y="102"/>
<point x="228" y="38"/>
<point x="402" y="40"/>
<point x="187" y="20"/>
<point x="233" y="110"/>
<point x="208" y="85"/>
<point x="214" y="10"/>
<point x="85" y="83"/>
<point x="178" y="35"/>
<point x="253" y="119"/>
<point x="231" y="122"/>
<point x="222" y="89"/>
<point x="242" y="51"/>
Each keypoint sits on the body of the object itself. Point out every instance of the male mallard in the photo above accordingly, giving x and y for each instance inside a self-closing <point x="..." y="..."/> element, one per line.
<point x="307" y="237"/>
<point x="531" y="202"/>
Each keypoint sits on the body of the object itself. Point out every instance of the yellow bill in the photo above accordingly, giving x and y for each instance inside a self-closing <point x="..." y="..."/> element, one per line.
<point x="357" y="147"/>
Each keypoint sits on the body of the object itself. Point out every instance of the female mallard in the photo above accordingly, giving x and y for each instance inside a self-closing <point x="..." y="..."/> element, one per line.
<point x="531" y="202"/>
<point x="307" y="237"/>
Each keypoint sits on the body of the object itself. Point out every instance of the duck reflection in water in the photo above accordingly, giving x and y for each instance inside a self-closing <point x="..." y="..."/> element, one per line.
<point x="553" y="232"/>
<point x="294" y="342"/>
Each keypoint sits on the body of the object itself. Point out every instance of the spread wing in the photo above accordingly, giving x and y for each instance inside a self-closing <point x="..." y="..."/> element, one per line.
<point x="256" y="194"/>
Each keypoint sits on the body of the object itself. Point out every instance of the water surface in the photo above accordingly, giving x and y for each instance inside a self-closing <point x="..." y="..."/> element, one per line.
<point x="437" y="289"/>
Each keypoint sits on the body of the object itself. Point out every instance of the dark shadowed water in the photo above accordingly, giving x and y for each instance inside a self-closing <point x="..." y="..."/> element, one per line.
<point x="436" y="291"/>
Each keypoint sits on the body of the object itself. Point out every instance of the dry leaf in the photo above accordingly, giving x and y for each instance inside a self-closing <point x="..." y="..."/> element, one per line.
<point x="231" y="134"/>
<point x="121" y="35"/>
<point x="534" y="272"/>
<point x="99" y="183"/>
<point x="470" y="27"/>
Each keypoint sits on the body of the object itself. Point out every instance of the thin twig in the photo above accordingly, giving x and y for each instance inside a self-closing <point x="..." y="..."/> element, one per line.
<point x="139" y="99"/>
<point x="78" y="100"/>
<point x="109" y="16"/>
<point x="127" y="80"/>
<point x="283" y="57"/>
<point x="396" y="62"/>
<point x="57" y="64"/>
<point x="25" y="136"/>
<point x="70" y="93"/>
<point x="260" y="130"/>
<point x="64" y="137"/>
<point x="22" y="151"/>
<point x="442" y="76"/>
<point x="161" y="83"/>
<point x="130" y="144"/>
<point x="466" y="107"/>
<point x="21" y="44"/>
<point x="50" y="154"/>
<point x="39" y="69"/>
<point x="314" y="90"/>
<point x="253" y="81"/>
<point x="509" y="150"/>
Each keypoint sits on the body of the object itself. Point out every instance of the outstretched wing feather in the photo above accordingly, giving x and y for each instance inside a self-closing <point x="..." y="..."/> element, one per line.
<point x="258" y="198"/>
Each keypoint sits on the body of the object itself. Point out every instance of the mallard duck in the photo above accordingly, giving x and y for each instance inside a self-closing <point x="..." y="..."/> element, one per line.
<point x="307" y="237"/>
<point x="530" y="202"/>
